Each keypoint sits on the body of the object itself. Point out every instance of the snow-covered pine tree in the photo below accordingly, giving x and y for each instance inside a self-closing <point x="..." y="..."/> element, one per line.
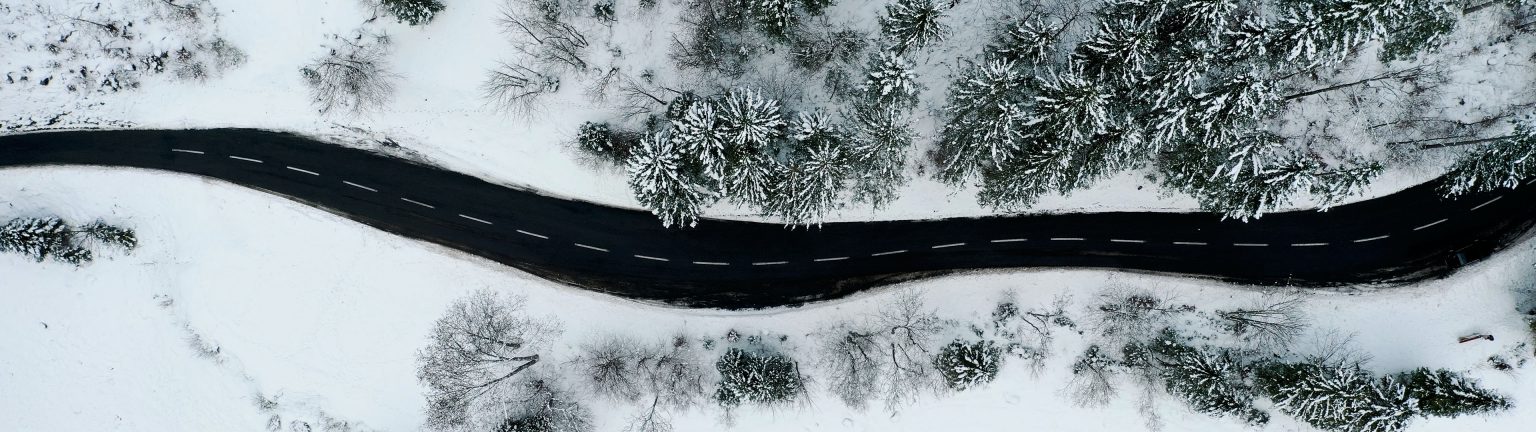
<point x="413" y="12"/>
<point x="1425" y="25"/>
<point x="913" y="24"/>
<point x="1340" y="398"/>
<point x="985" y="109"/>
<point x="891" y="80"/>
<point x="748" y="120"/>
<point x="657" y="180"/>
<point x="1449" y="394"/>
<point x="1503" y="163"/>
<point x="1210" y="383"/>
<point x="774" y="17"/>
<point x="596" y="138"/>
<point x="1069" y="107"/>
<point x="968" y="365"/>
<point x="112" y="235"/>
<point x="72" y="255"/>
<point x="1027" y="41"/>
<point x="764" y="378"/>
<point x="815" y="7"/>
<point x="880" y="137"/>
<point x="1118" y="53"/>
<point x="755" y="180"/>
<point x="701" y="135"/>
<point x="37" y="238"/>
<point x="818" y="174"/>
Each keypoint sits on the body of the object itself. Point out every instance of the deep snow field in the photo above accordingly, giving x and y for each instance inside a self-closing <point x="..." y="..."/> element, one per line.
<point x="323" y="316"/>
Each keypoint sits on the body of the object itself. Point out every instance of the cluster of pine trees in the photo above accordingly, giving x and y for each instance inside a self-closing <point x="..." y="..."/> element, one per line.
<point x="50" y="237"/>
<point x="1185" y="86"/>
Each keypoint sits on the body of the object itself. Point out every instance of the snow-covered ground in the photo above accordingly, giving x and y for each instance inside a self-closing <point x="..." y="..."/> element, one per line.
<point x="322" y="317"/>
<point x="439" y="109"/>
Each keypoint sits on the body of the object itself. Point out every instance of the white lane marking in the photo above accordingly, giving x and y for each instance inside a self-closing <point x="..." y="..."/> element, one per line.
<point x="360" y="186"/>
<point x="417" y="203"/>
<point x="1126" y="241"/>
<point x="950" y="245"/>
<point x="1309" y="244"/>
<point x="651" y="258"/>
<point x="1012" y="240"/>
<point x="304" y="171"/>
<point x="1533" y="181"/>
<point x="1066" y="239"/>
<point x="186" y="151"/>
<point x="830" y="259"/>
<point x="1430" y="224"/>
<point x="770" y="263"/>
<point x="1251" y="244"/>
<point x="1190" y="243"/>
<point x="533" y="234"/>
<point x="590" y="247"/>
<point x="1489" y="202"/>
<point x="888" y="253"/>
<point x="711" y="263"/>
<point x="245" y="159"/>
<point x="1372" y="238"/>
<point x="475" y="219"/>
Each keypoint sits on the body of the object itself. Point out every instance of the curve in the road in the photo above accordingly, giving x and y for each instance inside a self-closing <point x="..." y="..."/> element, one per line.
<point x="1411" y="235"/>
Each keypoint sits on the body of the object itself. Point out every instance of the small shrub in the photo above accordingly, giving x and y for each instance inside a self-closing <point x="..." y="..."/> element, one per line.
<point x="413" y="12"/>
<point x="968" y="365"/>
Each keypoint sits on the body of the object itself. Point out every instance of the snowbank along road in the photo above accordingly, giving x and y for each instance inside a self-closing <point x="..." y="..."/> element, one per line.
<point x="1410" y="235"/>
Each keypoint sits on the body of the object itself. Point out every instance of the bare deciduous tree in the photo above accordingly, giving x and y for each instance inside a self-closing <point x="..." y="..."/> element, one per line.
<point x="854" y="359"/>
<point x="483" y="345"/>
<point x="353" y="75"/>
<point x="661" y="379"/>
<point x="517" y="88"/>
<point x="1131" y="312"/>
<point x="610" y="368"/>
<point x="911" y="330"/>
<point x="543" y="37"/>
<point x="1272" y="323"/>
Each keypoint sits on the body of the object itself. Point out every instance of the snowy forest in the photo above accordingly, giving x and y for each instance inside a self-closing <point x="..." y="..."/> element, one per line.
<point x="797" y="108"/>
<point x="488" y="365"/>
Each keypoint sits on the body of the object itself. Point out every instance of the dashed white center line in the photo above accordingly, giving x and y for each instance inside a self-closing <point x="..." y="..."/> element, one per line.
<point x="1189" y="243"/>
<point x="770" y="263"/>
<point x="711" y="263"/>
<point x="1126" y="241"/>
<point x="1372" y="238"/>
<point x="1251" y="244"/>
<point x="475" y="219"/>
<point x="186" y="151"/>
<point x="1308" y="244"/>
<point x="1010" y="240"/>
<point x="651" y="258"/>
<point x="360" y="186"/>
<point x="830" y="259"/>
<point x="590" y="247"/>
<point x="304" y="171"/>
<point x="1430" y="224"/>
<point x="1531" y="181"/>
<point x="1066" y="239"/>
<point x="245" y="159"/>
<point x="1489" y="202"/>
<point x="888" y="253"/>
<point x="950" y="245"/>
<point x="417" y="203"/>
<point x="533" y="234"/>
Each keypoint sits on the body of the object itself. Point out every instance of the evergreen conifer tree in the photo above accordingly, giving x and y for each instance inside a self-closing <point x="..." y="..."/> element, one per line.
<point x="413" y="12"/>
<point x="1503" y="163"/>
<point x="1448" y="394"/>
<point x="36" y="238"/>
<point x="891" y="80"/>
<point x="913" y="23"/>
<point x="968" y="365"/>
<point x="764" y="378"/>
<point x="657" y="179"/>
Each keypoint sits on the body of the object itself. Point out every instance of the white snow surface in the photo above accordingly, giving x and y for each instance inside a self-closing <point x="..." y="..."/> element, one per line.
<point x="323" y="316"/>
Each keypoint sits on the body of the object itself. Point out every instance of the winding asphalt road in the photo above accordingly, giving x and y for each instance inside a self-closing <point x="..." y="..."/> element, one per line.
<point x="1410" y="235"/>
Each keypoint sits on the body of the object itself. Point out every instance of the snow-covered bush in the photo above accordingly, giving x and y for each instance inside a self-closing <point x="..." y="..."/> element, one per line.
<point x="967" y="365"/>
<point x="756" y="377"/>
<point x="413" y="12"/>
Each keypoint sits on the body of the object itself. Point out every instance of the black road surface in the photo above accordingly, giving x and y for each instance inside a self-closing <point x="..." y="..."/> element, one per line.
<point x="1411" y="235"/>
